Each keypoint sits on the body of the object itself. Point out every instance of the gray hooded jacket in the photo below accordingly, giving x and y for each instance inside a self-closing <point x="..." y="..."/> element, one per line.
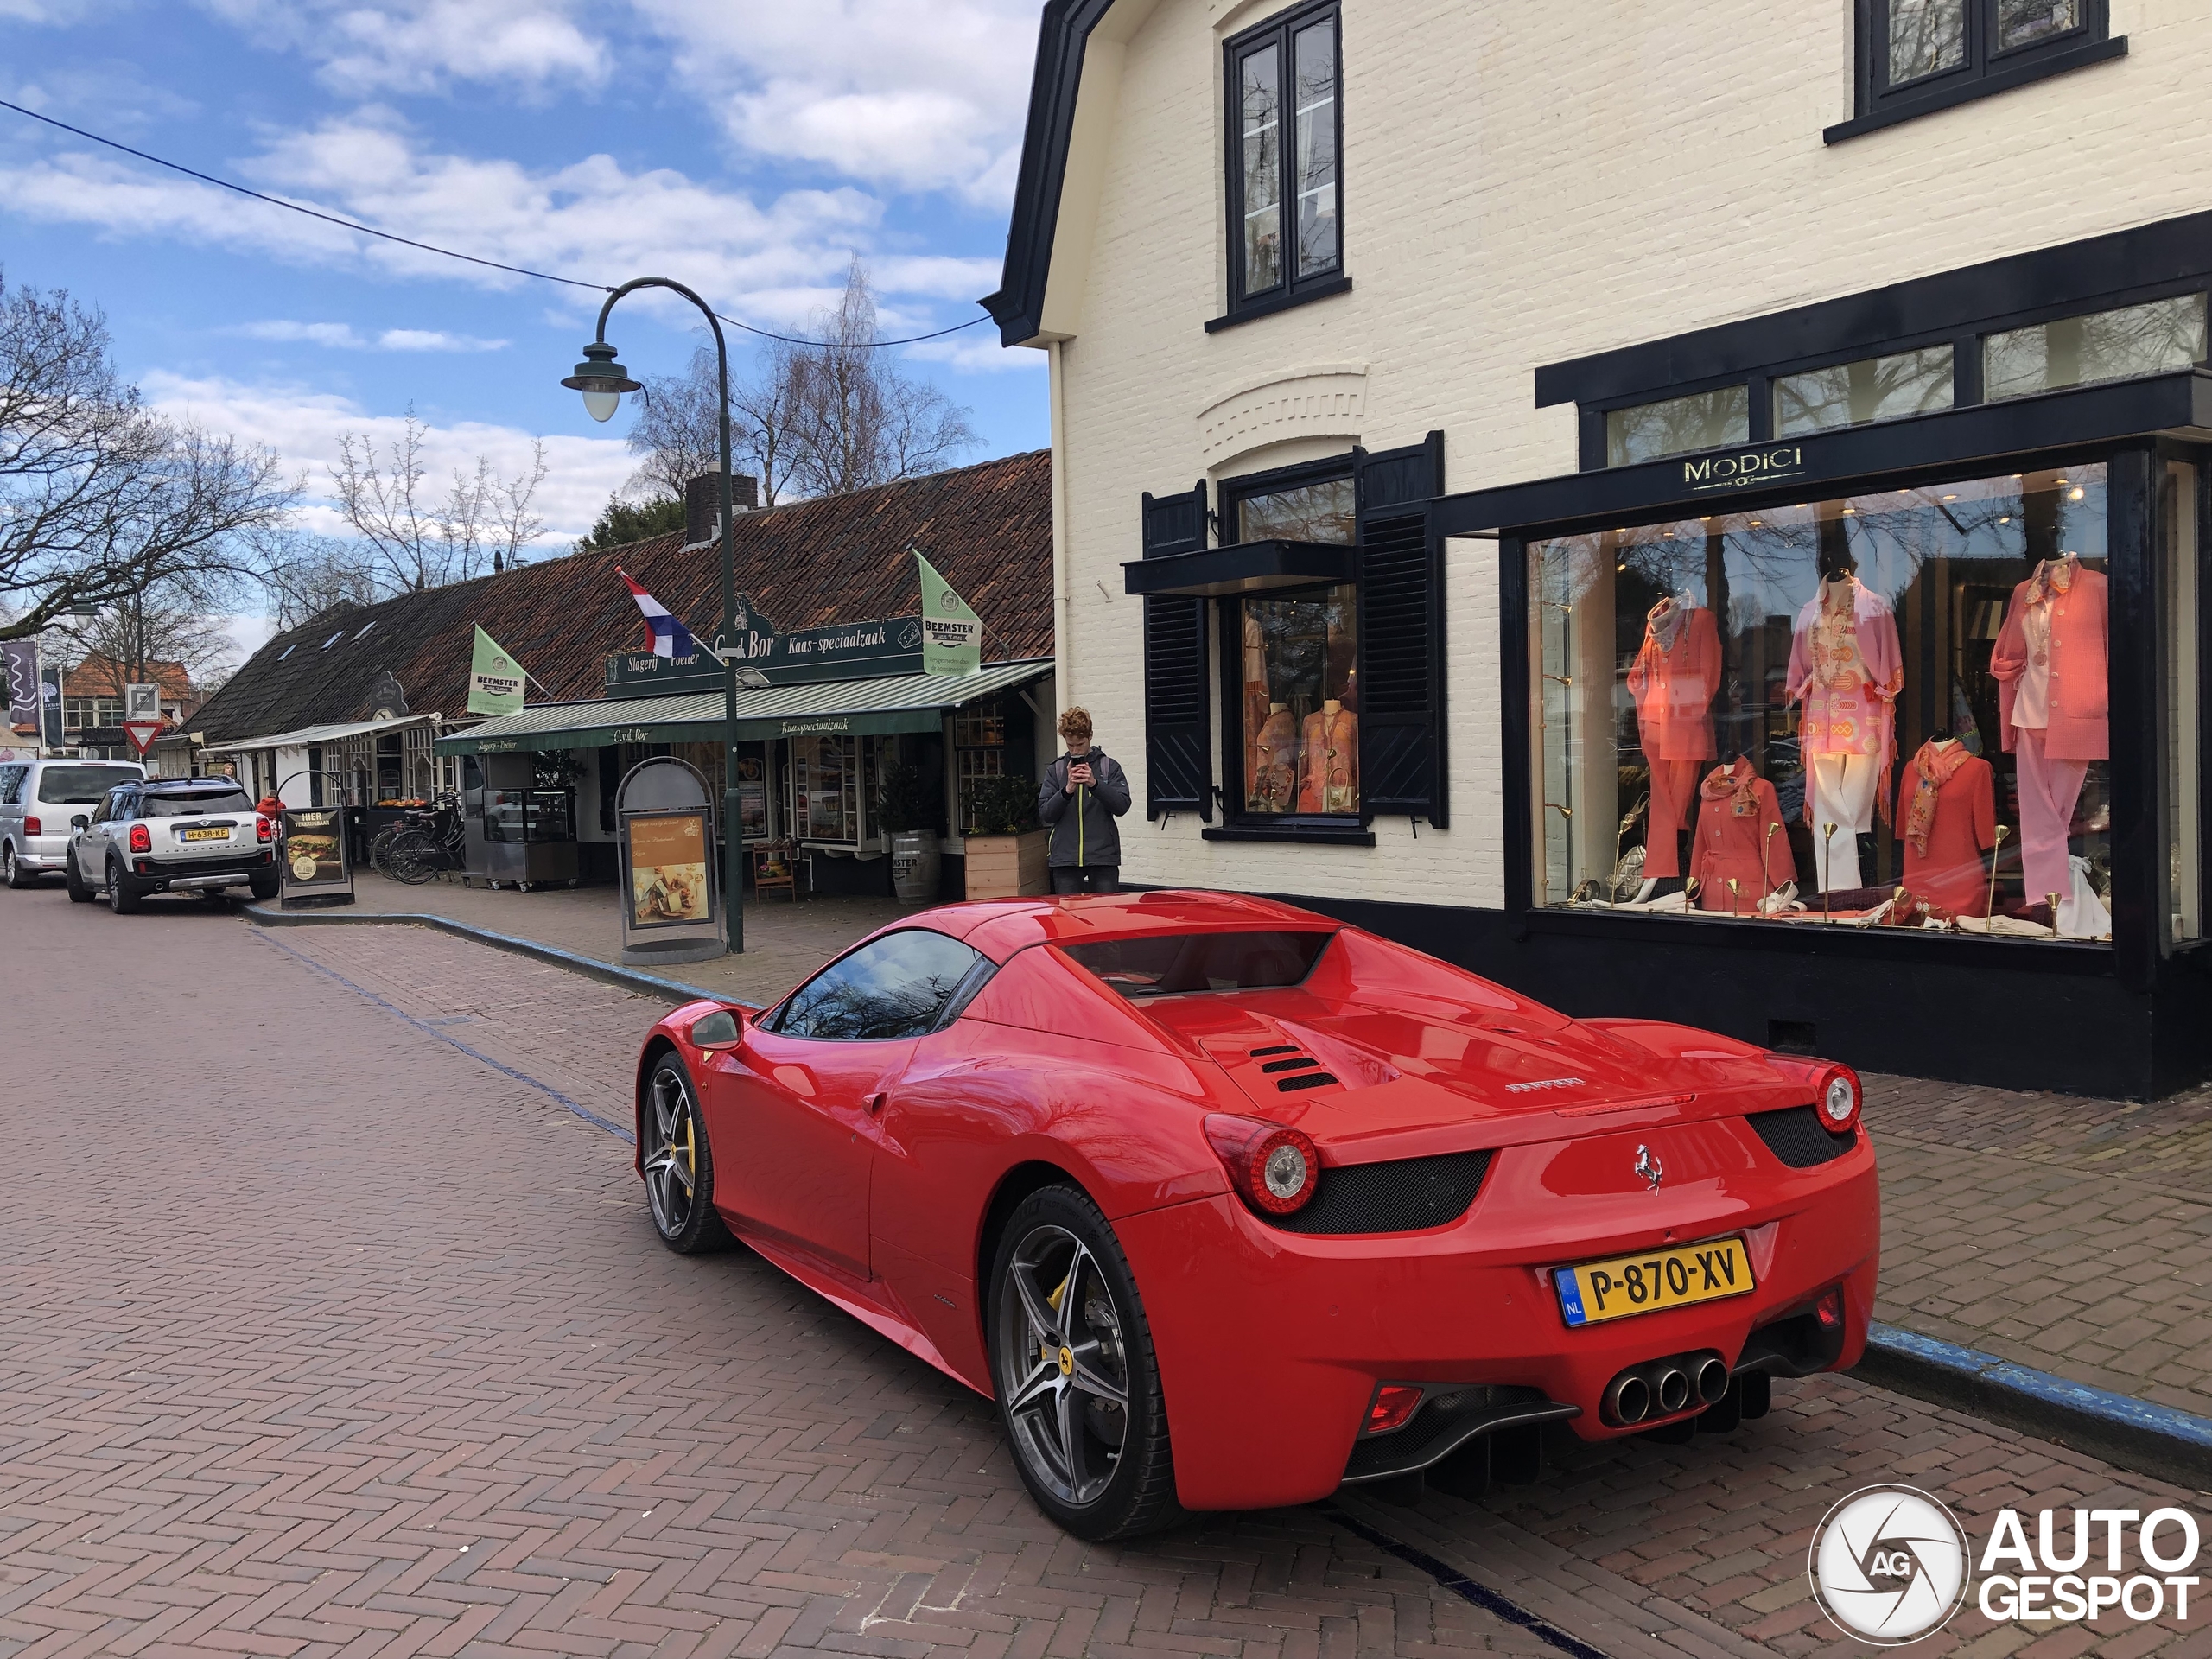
<point x="1084" y="830"/>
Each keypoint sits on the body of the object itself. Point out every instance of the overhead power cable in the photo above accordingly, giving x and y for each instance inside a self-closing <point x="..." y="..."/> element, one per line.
<point x="469" y="258"/>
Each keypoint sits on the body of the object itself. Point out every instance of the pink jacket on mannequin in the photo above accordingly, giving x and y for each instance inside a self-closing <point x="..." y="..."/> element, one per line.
<point x="1673" y="689"/>
<point x="2080" y="727"/>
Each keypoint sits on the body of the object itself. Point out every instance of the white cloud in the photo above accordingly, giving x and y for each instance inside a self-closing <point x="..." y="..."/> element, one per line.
<point x="341" y="336"/>
<point x="302" y="425"/>
<point x="920" y="94"/>
<point x="591" y="220"/>
<point x="421" y="45"/>
<point x="979" y="353"/>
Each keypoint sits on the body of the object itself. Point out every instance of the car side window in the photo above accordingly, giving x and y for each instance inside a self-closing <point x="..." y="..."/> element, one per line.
<point x="11" y="779"/>
<point x="891" y="988"/>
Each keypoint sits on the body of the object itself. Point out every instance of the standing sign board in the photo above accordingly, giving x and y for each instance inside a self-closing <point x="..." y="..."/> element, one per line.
<point x="671" y="901"/>
<point x="141" y="701"/>
<point x="315" y="870"/>
<point x="142" y="734"/>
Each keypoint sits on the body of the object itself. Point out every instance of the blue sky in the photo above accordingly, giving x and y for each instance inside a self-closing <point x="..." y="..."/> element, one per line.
<point x="748" y="148"/>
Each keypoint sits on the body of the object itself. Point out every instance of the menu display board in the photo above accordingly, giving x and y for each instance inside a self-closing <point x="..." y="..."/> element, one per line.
<point x="315" y="847"/>
<point x="665" y="868"/>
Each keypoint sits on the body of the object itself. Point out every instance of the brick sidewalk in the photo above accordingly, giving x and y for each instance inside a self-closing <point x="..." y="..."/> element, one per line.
<point x="341" y="1340"/>
<point x="783" y="942"/>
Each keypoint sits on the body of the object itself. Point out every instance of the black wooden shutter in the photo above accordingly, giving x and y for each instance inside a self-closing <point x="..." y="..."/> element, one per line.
<point x="1401" y="755"/>
<point x="1178" y="738"/>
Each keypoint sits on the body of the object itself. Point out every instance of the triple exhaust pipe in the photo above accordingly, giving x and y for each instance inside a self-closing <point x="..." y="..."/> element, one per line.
<point x="1660" y="1388"/>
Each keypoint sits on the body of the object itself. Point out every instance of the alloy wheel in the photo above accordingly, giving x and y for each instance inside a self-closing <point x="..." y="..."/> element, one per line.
<point x="1065" y="1365"/>
<point x="672" y="1155"/>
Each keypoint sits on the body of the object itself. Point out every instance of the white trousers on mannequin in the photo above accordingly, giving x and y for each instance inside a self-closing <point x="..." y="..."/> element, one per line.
<point x="1843" y="795"/>
<point x="2048" y="792"/>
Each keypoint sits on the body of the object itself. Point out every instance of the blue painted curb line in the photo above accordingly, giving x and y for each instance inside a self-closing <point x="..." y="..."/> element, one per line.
<point x="2151" y="1439"/>
<point x="1466" y="1588"/>
<point x="670" y="990"/>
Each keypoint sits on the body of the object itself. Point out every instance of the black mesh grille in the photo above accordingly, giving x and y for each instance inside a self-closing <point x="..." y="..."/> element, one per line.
<point x="1398" y="1197"/>
<point x="1796" y="1136"/>
<point x="1304" y="1080"/>
<point x="1302" y="1063"/>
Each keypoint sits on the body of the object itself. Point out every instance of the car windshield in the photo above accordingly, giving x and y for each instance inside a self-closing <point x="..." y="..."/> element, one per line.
<point x="1166" y="964"/>
<point x="192" y="804"/>
<point x="79" y="785"/>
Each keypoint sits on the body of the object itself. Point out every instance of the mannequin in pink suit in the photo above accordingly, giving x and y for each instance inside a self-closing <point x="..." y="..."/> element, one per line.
<point x="1673" y="681"/>
<point x="2053" y="688"/>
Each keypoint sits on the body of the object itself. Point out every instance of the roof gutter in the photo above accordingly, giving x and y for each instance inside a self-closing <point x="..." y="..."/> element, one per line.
<point x="1019" y="306"/>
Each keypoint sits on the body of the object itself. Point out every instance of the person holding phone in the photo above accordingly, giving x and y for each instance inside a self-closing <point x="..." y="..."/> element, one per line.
<point x="1083" y="792"/>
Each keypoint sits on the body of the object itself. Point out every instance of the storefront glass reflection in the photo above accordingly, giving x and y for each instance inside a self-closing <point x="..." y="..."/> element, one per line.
<point x="1301" y="703"/>
<point x="1888" y="709"/>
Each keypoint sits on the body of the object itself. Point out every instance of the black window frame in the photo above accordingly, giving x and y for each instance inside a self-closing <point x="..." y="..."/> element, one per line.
<point x="1237" y="824"/>
<point x="955" y="999"/>
<point x="1985" y="72"/>
<point x="1292" y="290"/>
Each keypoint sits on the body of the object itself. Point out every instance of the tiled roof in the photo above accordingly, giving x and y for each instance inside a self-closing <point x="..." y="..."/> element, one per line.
<point x="100" y="676"/>
<point x="841" y="558"/>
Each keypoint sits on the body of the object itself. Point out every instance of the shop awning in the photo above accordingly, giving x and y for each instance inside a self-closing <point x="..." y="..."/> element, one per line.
<point x="900" y="702"/>
<point x="1246" y="567"/>
<point x="311" y="736"/>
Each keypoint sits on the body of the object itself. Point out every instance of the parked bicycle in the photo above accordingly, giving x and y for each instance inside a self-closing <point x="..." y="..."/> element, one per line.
<point x="426" y="842"/>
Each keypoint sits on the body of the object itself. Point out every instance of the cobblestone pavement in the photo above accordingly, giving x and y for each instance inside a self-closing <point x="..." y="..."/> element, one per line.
<point x="784" y="941"/>
<point x="329" y="1328"/>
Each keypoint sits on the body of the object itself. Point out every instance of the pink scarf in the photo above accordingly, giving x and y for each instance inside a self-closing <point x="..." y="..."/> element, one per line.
<point x="1933" y="766"/>
<point x="1737" y="784"/>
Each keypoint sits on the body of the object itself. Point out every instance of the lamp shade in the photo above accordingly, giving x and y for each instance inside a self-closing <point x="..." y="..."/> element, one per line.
<point x="601" y="380"/>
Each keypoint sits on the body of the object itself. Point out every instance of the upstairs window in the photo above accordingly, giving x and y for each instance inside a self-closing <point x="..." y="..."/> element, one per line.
<point x="1917" y="55"/>
<point x="1286" y="191"/>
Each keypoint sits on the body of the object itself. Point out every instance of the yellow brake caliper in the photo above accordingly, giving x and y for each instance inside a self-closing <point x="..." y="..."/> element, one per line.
<point x="1045" y="1354"/>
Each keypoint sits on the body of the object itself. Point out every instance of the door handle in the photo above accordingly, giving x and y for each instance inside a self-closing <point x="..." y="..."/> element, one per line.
<point x="875" y="1102"/>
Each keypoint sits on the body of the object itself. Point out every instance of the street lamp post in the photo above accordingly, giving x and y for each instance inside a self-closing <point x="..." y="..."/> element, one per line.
<point x="602" y="381"/>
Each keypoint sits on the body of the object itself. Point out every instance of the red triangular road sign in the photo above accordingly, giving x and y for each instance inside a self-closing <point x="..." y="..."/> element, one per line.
<point x="142" y="734"/>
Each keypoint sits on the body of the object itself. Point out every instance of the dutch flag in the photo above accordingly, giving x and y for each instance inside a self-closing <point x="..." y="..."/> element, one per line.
<point x="671" y="637"/>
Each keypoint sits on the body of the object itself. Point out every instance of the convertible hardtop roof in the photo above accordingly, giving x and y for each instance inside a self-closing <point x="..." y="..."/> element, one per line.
<point x="999" y="927"/>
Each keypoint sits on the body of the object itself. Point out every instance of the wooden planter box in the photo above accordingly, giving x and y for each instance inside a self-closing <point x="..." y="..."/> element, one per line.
<point x="1007" y="866"/>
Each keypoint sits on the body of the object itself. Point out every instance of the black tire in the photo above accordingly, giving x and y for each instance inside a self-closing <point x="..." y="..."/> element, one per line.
<point x="122" y="898"/>
<point x="1080" y="1402"/>
<point x="679" y="1162"/>
<point x="265" y="887"/>
<point x="78" y="893"/>
<point x="412" y="858"/>
<point x="12" y="872"/>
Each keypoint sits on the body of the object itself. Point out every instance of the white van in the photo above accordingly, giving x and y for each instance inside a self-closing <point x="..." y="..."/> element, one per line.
<point x="38" y="799"/>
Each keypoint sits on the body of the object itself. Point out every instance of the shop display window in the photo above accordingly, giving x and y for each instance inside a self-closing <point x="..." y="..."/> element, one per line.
<point x="978" y="752"/>
<point x="1855" y="394"/>
<point x="1324" y="511"/>
<point x="827" y="789"/>
<point x="2154" y="339"/>
<point x="1678" y="426"/>
<point x="1888" y="709"/>
<point x="1300" y="702"/>
<point x="2178" y="503"/>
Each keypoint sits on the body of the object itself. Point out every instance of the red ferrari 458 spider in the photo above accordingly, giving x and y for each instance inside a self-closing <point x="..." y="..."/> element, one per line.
<point x="1228" y="1205"/>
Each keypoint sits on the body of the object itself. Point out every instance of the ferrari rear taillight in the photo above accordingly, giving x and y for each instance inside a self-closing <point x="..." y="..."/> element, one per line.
<point x="142" y="839"/>
<point x="1839" y="1098"/>
<point x="263" y="830"/>
<point x="1829" y="1309"/>
<point x="1274" y="1167"/>
<point x="1395" y="1405"/>
<point x="33" y="826"/>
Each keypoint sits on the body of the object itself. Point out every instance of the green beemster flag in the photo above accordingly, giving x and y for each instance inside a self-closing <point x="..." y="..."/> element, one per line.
<point x="952" y="635"/>
<point x="494" y="679"/>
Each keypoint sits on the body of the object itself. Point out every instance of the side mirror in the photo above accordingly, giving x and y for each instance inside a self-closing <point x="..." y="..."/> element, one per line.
<point x="724" y="1028"/>
<point x="79" y="821"/>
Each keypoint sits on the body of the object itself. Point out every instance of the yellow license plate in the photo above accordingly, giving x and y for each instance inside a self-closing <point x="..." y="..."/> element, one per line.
<point x="207" y="835"/>
<point x="1673" y="1277"/>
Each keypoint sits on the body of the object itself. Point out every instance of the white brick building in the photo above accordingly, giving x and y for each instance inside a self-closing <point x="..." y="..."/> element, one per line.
<point x="1460" y="316"/>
